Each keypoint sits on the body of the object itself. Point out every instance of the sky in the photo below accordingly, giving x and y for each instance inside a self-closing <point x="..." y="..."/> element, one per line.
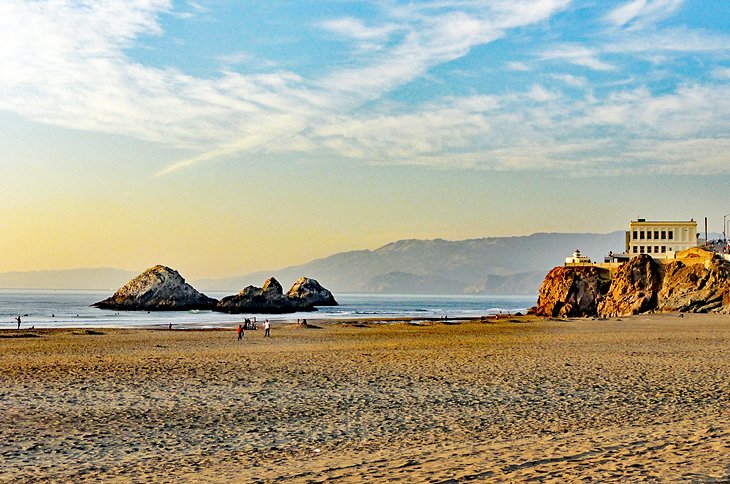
<point x="227" y="136"/>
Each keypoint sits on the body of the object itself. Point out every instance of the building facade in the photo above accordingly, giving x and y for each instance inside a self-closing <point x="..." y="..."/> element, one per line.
<point x="660" y="239"/>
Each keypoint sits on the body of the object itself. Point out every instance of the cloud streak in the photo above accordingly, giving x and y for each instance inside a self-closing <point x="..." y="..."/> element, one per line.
<point x="66" y="64"/>
<point x="638" y="14"/>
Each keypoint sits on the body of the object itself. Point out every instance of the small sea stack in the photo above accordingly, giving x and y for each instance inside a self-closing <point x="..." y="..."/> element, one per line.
<point x="304" y="295"/>
<point x="269" y="299"/>
<point x="159" y="288"/>
<point x="311" y="292"/>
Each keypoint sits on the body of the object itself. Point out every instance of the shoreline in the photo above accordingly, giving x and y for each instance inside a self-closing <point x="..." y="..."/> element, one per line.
<point x="227" y="325"/>
<point x="644" y="397"/>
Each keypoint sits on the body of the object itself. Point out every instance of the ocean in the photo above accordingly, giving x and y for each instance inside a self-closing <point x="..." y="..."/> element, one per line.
<point x="64" y="309"/>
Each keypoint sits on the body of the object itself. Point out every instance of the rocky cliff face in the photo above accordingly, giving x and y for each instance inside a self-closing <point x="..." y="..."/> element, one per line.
<point x="159" y="288"/>
<point x="572" y="292"/>
<point x="311" y="292"/>
<point x="697" y="281"/>
<point x="696" y="288"/>
<point x="634" y="288"/>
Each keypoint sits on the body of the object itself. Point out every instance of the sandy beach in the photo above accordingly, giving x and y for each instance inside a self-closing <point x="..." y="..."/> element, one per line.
<point x="640" y="398"/>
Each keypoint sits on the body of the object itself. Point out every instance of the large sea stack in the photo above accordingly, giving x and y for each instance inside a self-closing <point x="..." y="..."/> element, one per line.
<point x="311" y="292"/>
<point x="159" y="288"/>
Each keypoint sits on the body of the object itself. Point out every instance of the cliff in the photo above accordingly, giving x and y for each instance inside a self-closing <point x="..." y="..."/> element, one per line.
<point x="634" y="288"/>
<point x="696" y="286"/>
<point x="159" y="288"/>
<point x="696" y="281"/>
<point x="571" y="292"/>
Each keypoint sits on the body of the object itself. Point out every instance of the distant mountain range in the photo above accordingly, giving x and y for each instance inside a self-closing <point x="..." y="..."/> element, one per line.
<point x="491" y="265"/>
<point x="100" y="278"/>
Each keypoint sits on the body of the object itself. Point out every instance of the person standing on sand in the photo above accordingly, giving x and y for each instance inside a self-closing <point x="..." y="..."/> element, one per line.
<point x="18" y="318"/>
<point x="240" y="332"/>
<point x="267" y="328"/>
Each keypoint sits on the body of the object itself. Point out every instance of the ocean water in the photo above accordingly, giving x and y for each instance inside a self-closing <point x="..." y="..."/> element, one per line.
<point x="63" y="308"/>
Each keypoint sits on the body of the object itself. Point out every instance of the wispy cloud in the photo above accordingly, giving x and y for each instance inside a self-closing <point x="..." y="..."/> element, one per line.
<point x="578" y="55"/>
<point x="638" y="14"/>
<point x="66" y="64"/>
<point x="353" y="28"/>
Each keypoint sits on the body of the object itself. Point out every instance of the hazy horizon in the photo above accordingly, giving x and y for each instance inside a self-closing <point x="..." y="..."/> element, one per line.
<point x="224" y="138"/>
<point x="295" y="264"/>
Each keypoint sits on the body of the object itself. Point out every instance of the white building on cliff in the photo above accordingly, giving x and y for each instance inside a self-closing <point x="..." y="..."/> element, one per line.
<point x="660" y="239"/>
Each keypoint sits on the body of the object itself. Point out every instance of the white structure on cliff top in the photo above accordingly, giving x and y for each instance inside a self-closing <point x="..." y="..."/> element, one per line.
<point x="577" y="259"/>
<point x="660" y="239"/>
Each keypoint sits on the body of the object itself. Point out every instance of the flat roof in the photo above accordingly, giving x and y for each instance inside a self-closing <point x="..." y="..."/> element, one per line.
<point x="664" y="221"/>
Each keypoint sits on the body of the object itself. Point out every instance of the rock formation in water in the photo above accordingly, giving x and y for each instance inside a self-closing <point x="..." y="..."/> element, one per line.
<point x="304" y="295"/>
<point x="572" y="292"/>
<point x="696" y="281"/>
<point x="311" y="292"/>
<point x="159" y="288"/>
<point x="634" y="288"/>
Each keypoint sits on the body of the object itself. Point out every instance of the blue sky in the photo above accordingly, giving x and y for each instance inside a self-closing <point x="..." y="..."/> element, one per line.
<point x="106" y="99"/>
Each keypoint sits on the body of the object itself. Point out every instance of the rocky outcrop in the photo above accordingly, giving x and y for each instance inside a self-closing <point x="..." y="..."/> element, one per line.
<point x="269" y="299"/>
<point x="697" y="287"/>
<point x="572" y="292"/>
<point x="634" y="288"/>
<point x="304" y="295"/>
<point x="311" y="292"/>
<point x="159" y="288"/>
<point x="696" y="281"/>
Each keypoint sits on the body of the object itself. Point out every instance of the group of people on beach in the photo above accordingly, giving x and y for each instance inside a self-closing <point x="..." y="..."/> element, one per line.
<point x="248" y="324"/>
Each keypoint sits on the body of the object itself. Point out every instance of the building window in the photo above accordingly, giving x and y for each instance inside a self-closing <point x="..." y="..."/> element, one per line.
<point x="664" y="235"/>
<point x="671" y="234"/>
<point x="641" y="249"/>
<point x="641" y="236"/>
<point x="656" y="249"/>
<point x="636" y="249"/>
<point x="656" y="235"/>
<point x="648" y="235"/>
<point x="636" y="235"/>
<point x="648" y="249"/>
<point x="664" y="249"/>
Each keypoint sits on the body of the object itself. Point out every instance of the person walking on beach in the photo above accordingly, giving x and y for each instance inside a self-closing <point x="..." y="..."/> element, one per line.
<point x="18" y="318"/>
<point x="267" y="328"/>
<point x="240" y="332"/>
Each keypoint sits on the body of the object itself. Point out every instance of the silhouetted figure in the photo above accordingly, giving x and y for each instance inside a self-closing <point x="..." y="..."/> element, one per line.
<point x="18" y="318"/>
<point x="240" y="332"/>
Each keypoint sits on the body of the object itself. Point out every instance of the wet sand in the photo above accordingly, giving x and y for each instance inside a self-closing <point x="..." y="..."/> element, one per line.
<point x="643" y="398"/>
